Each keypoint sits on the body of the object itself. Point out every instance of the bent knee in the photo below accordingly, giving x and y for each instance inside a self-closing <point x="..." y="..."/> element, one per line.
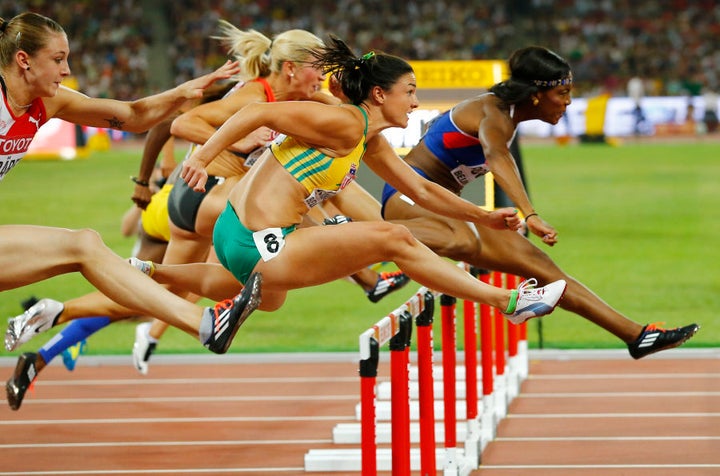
<point x="83" y="240"/>
<point x="395" y="233"/>
<point x="272" y="300"/>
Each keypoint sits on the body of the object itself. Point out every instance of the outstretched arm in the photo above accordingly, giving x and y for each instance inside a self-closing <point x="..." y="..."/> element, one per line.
<point x="334" y="129"/>
<point x="383" y="160"/>
<point x="494" y="137"/>
<point x="133" y="116"/>
<point x="200" y="123"/>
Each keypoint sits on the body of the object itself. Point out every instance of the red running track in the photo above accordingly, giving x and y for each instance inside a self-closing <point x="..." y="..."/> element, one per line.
<point x="259" y="416"/>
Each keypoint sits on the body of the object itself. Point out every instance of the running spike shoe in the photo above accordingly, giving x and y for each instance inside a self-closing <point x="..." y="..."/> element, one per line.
<point x="654" y="339"/>
<point x="337" y="220"/>
<point x="535" y="302"/>
<point x="23" y="376"/>
<point x="147" y="267"/>
<point x="71" y="355"/>
<point x="38" y="318"/>
<point x="386" y="283"/>
<point x="229" y="315"/>
<point x="143" y="347"/>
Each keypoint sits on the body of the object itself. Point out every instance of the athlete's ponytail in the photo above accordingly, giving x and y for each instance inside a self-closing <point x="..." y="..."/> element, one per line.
<point x="358" y="75"/>
<point x="259" y="56"/>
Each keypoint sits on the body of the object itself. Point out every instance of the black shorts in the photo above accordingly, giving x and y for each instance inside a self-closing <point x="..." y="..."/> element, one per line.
<point x="184" y="202"/>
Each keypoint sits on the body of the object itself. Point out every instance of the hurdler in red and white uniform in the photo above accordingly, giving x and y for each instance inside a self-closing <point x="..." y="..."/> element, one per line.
<point x="17" y="132"/>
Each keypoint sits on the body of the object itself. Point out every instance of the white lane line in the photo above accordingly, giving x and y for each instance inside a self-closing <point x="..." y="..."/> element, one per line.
<point x="601" y="466"/>
<point x="337" y="398"/>
<point x="192" y="399"/>
<point x="627" y="376"/>
<point x="221" y="419"/>
<point x="617" y="394"/>
<point x="262" y="471"/>
<point x="531" y="439"/>
<point x="113" y="444"/>
<point x="614" y="415"/>
<point x="194" y="381"/>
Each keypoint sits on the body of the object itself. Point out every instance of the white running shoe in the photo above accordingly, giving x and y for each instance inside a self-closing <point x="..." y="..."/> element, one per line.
<point x="147" y="267"/>
<point x="536" y="302"/>
<point x="38" y="318"/>
<point x="143" y="347"/>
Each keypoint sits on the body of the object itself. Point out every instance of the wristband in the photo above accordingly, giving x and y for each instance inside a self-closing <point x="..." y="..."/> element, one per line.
<point x="531" y="215"/>
<point x="142" y="183"/>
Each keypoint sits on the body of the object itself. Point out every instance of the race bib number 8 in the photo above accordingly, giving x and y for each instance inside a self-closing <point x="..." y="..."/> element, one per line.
<point x="269" y="242"/>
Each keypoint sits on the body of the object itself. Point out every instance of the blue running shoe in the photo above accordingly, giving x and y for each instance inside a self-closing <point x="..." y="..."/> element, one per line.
<point x="71" y="355"/>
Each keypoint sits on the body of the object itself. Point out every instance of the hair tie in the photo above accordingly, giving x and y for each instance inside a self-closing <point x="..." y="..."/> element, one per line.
<point x="3" y="26"/>
<point x="555" y="82"/>
<point x="367" y="56"/>
<point x="363" y="59"/>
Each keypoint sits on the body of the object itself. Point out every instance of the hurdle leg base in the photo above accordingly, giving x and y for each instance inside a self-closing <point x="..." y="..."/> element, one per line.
<point x="346" y="460"/>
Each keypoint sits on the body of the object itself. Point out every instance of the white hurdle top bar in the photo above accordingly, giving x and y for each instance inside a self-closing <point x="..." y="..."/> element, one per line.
<point x="386" y="328"/>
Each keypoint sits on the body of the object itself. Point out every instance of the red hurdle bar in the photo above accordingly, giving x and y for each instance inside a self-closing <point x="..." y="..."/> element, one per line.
<point x="449" y="362"/>
<point x="368" y="378"/>
<point x="486" y="343"/>
<point x="426" y="394"/>
<point x="489" y="421"/>
<point x="400" y="398"/>
<point x="499" y="331"/>
<point x="473" y="448"/>
<point x="470" y="331"/>
<point x="512" y="329"/>
<point x="383" y="331"/>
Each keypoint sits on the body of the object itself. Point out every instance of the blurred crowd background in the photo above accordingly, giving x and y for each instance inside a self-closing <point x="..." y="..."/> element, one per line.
<point x="128" y="48"/>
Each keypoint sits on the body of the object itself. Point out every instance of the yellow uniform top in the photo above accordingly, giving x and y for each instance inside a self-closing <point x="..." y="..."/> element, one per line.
<point x="321" y="175"/>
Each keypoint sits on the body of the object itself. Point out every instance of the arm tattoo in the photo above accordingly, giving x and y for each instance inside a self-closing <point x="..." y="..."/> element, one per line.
<point x="115" y="123"/>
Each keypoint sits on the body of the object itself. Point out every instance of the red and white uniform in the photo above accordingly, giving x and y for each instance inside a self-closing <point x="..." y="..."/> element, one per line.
<point x="17" y="132"/>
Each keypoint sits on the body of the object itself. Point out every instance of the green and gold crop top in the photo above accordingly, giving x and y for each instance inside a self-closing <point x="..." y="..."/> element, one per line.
<point x="321" y="175"/>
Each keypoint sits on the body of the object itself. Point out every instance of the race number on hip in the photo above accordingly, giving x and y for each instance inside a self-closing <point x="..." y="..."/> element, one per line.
<point x="269" y="242"/>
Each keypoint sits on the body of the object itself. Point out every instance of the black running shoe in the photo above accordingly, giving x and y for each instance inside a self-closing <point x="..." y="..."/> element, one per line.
<point x="654" y="339"/>
<point x="229" y="315"/>
<point x="387" y="282"/>
<point x="23" y="376"/>
<point x="337" y="220"/>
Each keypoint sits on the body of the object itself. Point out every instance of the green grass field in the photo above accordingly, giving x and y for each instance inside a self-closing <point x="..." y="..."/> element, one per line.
<point x="637" y="223"/>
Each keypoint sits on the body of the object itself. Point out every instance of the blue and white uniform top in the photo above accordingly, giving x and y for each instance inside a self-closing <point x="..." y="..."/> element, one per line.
<point x="459" y="151"/>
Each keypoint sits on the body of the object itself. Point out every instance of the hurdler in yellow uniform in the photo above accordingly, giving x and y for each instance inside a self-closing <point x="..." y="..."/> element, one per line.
<point x="321" y="175"/>
<point x="154" y="219"/>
